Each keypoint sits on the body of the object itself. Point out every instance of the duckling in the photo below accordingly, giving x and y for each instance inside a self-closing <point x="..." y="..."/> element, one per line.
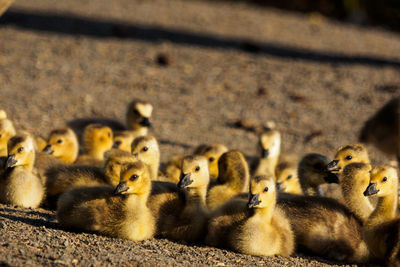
<point x="256" y="227"/>
<point x="383" y="129"/>
<point x="138" y="117"/>
<point x="381" y="230"/>
<point x="354" y="179"/>
<point x="123" y="140"/>
<point x="180" y="210"/>
<point x="63" y="144"/>
<point x="233" y="179"/>
<point x="212" y="152"/>
<point x="7" y="131"/>
<point x="287" y="180"/>
<point x="97" y="139"/>
<point x="348" y="154"/>
<point x="20" y="185"/>
<point x="145" y="149"/>
<point x="270" y="144"/>
<point x="62" y="178"/>
<point x="312" y="173"/>
<point x="119" y="212"/>
<point x="40" y="142"/>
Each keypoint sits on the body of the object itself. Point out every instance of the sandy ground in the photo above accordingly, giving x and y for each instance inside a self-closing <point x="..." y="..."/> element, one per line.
<point x="319" y="81"/>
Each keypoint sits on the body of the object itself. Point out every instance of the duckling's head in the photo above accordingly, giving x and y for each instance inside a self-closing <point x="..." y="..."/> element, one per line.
<point x="348" y="154"/>
<point x="212" y="153"/>
<point x="234" y="170"/>
<point x="134" y="179"/>
<point x="286" y="177"/>
<point x="113" y="161"/>
<point x="355" y="177"/>
<point x="270" y="143"/>
<point x="194" y="172"/>
<point x="97" y="139"/>
<point x="312" y="171"/>
<point x="138" y="115"/>
<point x="123" y="140"/>
<point x="3" y="114"/>
<point x="7" y="131"/>
<point x="63" y="144"/>
<point x="384" y="182"/>
<point x="262" y="192"/>
<point x="145" y="148"/>
<point x="21" y="151"/>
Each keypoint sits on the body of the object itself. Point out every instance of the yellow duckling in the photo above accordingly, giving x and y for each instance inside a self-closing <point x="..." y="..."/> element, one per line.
<point x="180" y="211"/>
<point x="287" y="180"/>
<point x="270" y="144"/>
<point x="97" y="139"/>
<point x="212" y="152"/>
<point x="346" y="155"/>
<point x="7" y="131"/>
<point x="123" y="140"/>
<point x="145" y="149"/>
<point x="20" y="185"/>
<point x="256" y="227"/>
<point x="138" y="117"/>
<point x="63" y="144"/>
<point x="233" y="179"/>
<point x="381" y="230"/>
<point x="120" y="212"/>
<point x="354" y="179"/>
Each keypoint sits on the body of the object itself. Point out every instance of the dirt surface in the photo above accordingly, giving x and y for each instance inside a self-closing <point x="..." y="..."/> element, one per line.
<point x="203" y="65"/>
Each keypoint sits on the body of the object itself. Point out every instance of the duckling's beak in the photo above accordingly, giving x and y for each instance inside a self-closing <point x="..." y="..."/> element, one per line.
<point x="145" y="122"/>
<point x="265" y="153"/>
<point x="11" y="161"/>
<point x="253" y="201"/>
<point x="279" y="186"/>
<point x="121" y="187"/>
<point x="116" y="144"/>
<point x="184" y="180"/>
<point x="371" y="190"/>
<point x="48" y="150"/>
<point x="332" y="166"/>
<point x="331" y="178"/>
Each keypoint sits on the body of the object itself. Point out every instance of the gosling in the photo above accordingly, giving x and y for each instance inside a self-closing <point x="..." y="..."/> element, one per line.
<point x="270" y="144"/>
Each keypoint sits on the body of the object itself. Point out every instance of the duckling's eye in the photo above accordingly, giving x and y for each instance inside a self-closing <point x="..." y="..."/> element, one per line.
<point x="133" y="177"/>
<point x="384" y="179"/>
<point x="108" y="134"/>
<point x="318" y="166"/>
<point x="266" y="189"/>
<point x="59" y="141"/>
<point x="211" y="159"/>
<point x="145" y="149"/>
<point x="290" y="176"/>
<point x="20" y="149"/>
<point x="197" y="169"/>
<point x="135" y="111"/>
<point x="349" y="157"/>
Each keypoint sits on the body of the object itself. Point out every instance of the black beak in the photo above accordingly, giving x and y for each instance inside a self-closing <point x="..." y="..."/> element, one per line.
<point x="332" y="166"/>
<point x="279" y="186"/>
<point x="253" y="201"/>
<point x="265" y="153"/>
<point x="184" y="180"/>
<point x="116" y="144"/>
<point x="48" y="150"/>
<point x="371" y="190"/>
<point x="332" y="178"/>
<point x="121" y="187"/>
<point x="11" y="161"/>
<point x="145" y="122"/>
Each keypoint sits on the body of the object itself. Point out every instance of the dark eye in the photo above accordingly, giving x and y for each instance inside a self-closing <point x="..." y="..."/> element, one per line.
<point x="384" y="179"/>
<point x="145" y="148"/>
<point x="290" y="176"/>
<point x="197" y="169"/>
<point x="20" y="149"/>
<point x="211" y="159"/>
<point x="59" y="141"/>
<point x="109" y="134"/>
<point x="133" y="177"/>
<point x="349" y="157"/>
<point x="135" y="111"/>
<point x="318" y="166"/>
<point x="266" y="189"/>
